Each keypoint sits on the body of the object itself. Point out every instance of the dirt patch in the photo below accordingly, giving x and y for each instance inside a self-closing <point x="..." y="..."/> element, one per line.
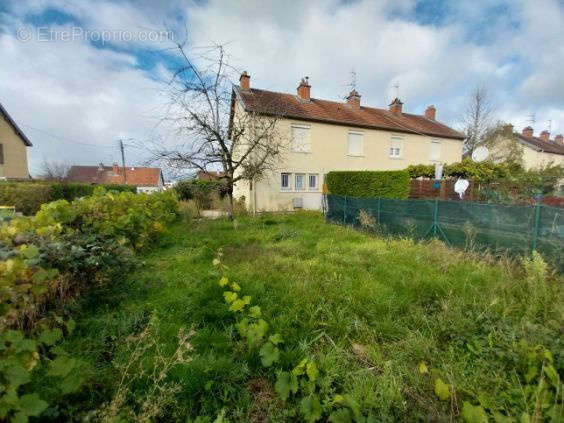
<point x="263" y="395"/>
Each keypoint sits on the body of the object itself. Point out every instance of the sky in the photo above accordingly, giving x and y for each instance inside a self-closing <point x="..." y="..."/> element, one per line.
<point x="78" y="76"/>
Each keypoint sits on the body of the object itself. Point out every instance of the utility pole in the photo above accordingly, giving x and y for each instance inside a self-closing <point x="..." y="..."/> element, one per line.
<point x="123" y="161"/>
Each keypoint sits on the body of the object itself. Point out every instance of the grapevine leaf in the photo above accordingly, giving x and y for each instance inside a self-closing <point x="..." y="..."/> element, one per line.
<point x="441" y="390"/>
<point x="312" y="371"/>
<point x="423" y="369"/>
<point x="235" y="287"/>
<point x="223" y="281"/>
<point x="501" y="418"/>
<point x="342" y="415"/>
<point x="473" y="413"/>
<point x="61" y="366"/>
<point x="32" y="405"/>
<point x="269" y="354"/>
<point x="50" y="336"/>
<point x="229" y="296"/>
<point x="243" y="327"/>
<point x="255" y="312"/>
<point x="282" y="385"/>
<point x="16" y="375"/>
<point x="275" y="339"/>
<point x="311" y="408"/>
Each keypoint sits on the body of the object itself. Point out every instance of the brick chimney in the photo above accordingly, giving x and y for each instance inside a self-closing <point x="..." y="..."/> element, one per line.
<point x="304" y="89"/>
<point x="559" y="139"/>
<point x="396" y="106"/>
<point x="527" y="132"/>
<point x="430" y="112"/>
<point x="115" y="168"/>
<point x="245" y="81"/>
<point x="545" y="136"/>
<point x="354" y="99"/>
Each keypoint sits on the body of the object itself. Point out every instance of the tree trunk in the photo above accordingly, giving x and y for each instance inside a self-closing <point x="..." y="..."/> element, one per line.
<point x="230" y="212"/>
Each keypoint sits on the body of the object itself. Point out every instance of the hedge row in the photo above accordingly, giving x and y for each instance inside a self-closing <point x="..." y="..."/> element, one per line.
<point x="388" y="184"/>
<point x="27" y="197"/>
<point x="46" y="260"/>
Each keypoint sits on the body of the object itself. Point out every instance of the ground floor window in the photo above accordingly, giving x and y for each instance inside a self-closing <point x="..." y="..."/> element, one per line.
<point x="313" y="181"/>
<point x="300" y="181"/>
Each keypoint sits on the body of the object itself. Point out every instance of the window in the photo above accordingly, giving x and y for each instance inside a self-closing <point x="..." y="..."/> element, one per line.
<point x="354" y="147"/>
<point x="1" y="154"/>
<point x="301" y="139"/>
<point x="285" y="181"/>
<point x="300" y="181"/>
<point x="313" y="181"/>
<point x="435" y="152"/>
<point x="395" y="147"/>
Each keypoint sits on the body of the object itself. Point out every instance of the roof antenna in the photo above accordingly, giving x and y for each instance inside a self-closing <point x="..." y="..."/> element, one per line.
<point x="549" y="125"/>
<point x="352" y="84"/>
<point x="532" y="118"/>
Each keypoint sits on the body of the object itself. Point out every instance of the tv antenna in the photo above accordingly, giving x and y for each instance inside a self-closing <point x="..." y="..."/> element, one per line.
<point x="532" y="118"/>
<point x="352" y="84"/>
<point x="549" y="125"/>
<point x="397" y="87"/>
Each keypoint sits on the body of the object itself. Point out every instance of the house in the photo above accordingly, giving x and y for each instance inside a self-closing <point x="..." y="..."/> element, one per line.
<point x="329" y="135"/>
<point x="146" y="179"/>
<point x="540" y="151"/>
<point x="13" y="148"/>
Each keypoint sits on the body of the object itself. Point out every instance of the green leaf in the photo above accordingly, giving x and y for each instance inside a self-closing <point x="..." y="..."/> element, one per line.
<point x="342" y="415"/>
<point x="61" y="366"/>
<point x="501" y="418"/>
<point x="223" y="281"/>
<point x="423" y="369"/>
<point x="311" y="408"/>
<point x="16" y="376"/>
<point x="70" y="324"/>
<point x="235" y="287"/>
<point x="275" y="339"/>
<point x="255" y="312"/>
<point x="473" y="413"/>
<point x="242" y="327"/>
<point x="32" y="405"/>
<point x="441" y="390"/>
<point x="282" y="385"/>
<point x="29" y="251"/>
<point x="312" y="371"/>
<point x="552" y="374"/>
<point x="50" y="336"/>
<point x="239" y="304"/>
<point x="269" y="354"/>
<point x="229" y="296"/>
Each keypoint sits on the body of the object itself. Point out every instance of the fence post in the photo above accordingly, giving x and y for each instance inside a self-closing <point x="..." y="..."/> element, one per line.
<point x="436" y="217"/>
<point x="379" y="210"/>
<point x="536" y="221"/>
<point x="345" y="212"/>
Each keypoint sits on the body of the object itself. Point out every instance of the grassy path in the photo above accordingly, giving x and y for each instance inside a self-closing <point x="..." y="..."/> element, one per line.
<point x="368" y="310"/>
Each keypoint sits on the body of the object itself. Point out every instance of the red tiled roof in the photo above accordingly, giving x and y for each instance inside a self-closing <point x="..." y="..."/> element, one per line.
<point x="136" y="176"/>
<point x="291" y="106"/>
<point x="539" y="144"/>
<point x="210" y="175"/>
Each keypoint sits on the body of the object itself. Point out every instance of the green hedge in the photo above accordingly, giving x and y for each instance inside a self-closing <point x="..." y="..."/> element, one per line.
<point x="27" y="197"/>
<point x="388" y="184"/>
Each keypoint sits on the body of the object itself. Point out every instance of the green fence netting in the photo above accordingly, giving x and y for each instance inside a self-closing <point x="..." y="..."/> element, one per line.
<point x="497" y="228"/>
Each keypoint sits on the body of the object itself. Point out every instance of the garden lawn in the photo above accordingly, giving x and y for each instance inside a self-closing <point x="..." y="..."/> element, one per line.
<point x="383" y="320"/>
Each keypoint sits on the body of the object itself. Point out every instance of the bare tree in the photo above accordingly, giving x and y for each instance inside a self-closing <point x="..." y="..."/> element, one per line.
<point x="54" y="171"/>
<point x="218" y="133"/>
<point x="478" y="118"/>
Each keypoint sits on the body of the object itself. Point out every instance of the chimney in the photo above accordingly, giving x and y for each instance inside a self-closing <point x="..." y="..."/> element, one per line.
<point x="304" y="89"/>
<point x="354" y="99"/>
<point x="100" y="167"/>
<point x="245" y="81"/>
<point x="545" y="136"/>
<point x="430" y="112"/>
<point x="527" y="132"/>
<point x="395" y="107"/>
<point x="559" y="139"/>
<point x="115" y="168"/>
<point x="508" y="130"/>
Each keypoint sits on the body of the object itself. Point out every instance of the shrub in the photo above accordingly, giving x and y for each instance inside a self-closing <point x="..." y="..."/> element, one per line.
<point x="27" y="197"/>
<point x="205" y="194"/>
<point x="389" y="184"/>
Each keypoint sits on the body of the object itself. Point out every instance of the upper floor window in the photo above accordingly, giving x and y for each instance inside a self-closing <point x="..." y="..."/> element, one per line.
<point x="395" y="146"/>
<point x="435" y="152"/>
<point x="354" y="144"/>
<point x="301" y="142"/>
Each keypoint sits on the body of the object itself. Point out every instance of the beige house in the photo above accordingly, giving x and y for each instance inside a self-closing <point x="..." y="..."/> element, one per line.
<point x="540" y="151"/>
<point x="13" y="148"/>
<point x="328" y="135"/>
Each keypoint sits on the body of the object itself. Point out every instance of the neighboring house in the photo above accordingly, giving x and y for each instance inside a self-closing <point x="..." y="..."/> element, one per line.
<point x="540" y="151"/>
<point x="328" y="135"/>
<point x="13" y="148"/>
<point x="209" y="175"/>
<point x="146" y="179"/>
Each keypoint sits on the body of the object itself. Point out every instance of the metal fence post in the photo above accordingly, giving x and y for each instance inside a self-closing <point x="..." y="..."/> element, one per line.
<point x="345" y="212"/>
<point x="436" y="217"/>
<point x="379" y="210"/>
<point x="536" y="221"/>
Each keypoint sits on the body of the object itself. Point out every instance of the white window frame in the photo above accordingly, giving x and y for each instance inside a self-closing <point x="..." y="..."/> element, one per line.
<point x="303" y="187"/>
<point x="289" y="187"/>
<point x="316" y="176"/>
<point x="361" y="135"/>
<point x="435" y="141"/>
<point x="394" y="151"/>
<point x="306" y="146"/>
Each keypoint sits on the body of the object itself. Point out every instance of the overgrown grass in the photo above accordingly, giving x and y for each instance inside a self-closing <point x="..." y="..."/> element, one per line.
<point x="368" y="310"/>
